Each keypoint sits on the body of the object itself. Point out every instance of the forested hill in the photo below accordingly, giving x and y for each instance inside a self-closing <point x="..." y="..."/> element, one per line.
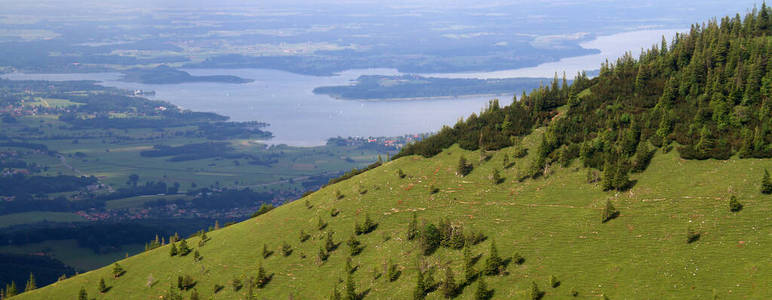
<point x="706" y="94"/>
<point x="523" y="221"/>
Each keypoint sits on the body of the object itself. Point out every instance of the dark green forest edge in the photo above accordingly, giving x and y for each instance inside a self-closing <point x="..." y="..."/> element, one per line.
<point x="167" y="75"/>
<point x="706" y="94"/>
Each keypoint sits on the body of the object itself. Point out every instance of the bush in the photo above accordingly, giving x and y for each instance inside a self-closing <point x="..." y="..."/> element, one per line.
<point x="734" y="205"/>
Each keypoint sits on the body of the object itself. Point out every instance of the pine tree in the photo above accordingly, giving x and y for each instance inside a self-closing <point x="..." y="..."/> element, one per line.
<point x="607" y="181"/>
<point x="82" y="295"/>
<point x="262" y="278"/>
<point x="10" y="290"/>
<point x="354" y="245"/>
<point x="469" y="271"/>
<point x="412" y="228"/>
<point x="734" y="205"/>
<point x="420" y="287"/>
<point x="350" y="293"/>
<point x="117" y="270"/>
<point x="481" y="293"/>
<point x="609" y="212"/>
<point x="322" y="254"/>
<point x="329" y="244"/>
<point x="173" y="250"/>
<point x="286" y="249"/>
<point x="266" y="253"/>
<point x="554" y="282"/>
<point x="493" y="262"/>
<point x="102" y="288"/>
<point x="766" y="184"/>
<point x="320" y="224"/>
<point x="518" y="259"/>
<point x="335" y="295"/>
<point x="448" y="287"/>
<point x="533" y="292"/>
<point x="464" y="167"/>
<point x="196" y="256"/>
<point x="31" y="285"/>
<point x="184" y="249"/>
<point x="496" y="176"/>
<point x="304" y="236"/>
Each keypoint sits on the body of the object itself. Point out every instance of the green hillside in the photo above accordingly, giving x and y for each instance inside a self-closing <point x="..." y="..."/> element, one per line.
<point x="542" y="175"/>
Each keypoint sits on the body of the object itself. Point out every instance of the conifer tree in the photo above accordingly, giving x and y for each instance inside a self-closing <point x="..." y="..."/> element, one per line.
<point x="354" y="245"/>
<point x="412" y="228"/>
<point x="335" y="295"/>
<point x="518" y="259"/>
<point x="469" y="271"/>
<point x="609" y="212"/>
<point x="31" y="285"/>
<point x="393" y="271"/>
<point x="82" y="295"/>
<point x="304" y="236"/>
<point x="184" y="249"/>
<point x="102" y="288"/>
<point x="448" y="287"/>
<point x="496" y="176"/>
<point x="607" y="181"/>
<point x="266" y="253"/>
<point x="350" y="293"/>
<point x="554" y="282"/>
<point x="196" y="256"/>
<point x="766" y="183"/>
<point x="286" y="249"/>
<point x="322" y="254"/>
<point x="118" y="270"/>
<point x="173" y="250"/>
<point x="534" y="293"/>
<point x="493" y="262"/>
<point x="734" y="205"/>
<point x="194" y="295"/>
<point x="10" y="290"/>
<point x="320" y="224"/>
<point x="464" y="167"/>
<point x="262" y="278"/>
<point x="482" y="292"/>
<point x="420" y="288"/>
<point x="329" y="244"/>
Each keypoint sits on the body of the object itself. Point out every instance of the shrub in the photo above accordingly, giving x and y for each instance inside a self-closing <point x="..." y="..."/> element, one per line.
<point x="734" y="205"/>
<point x="264" y="208"/>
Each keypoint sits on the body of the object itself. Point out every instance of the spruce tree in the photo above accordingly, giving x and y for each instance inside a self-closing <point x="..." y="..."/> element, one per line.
<point x="10" y="290"/>
<point x="734" y="205"/>
<point x="194" y="295"/>
<point x="533" y="292"/>
<point x="464" y="167"/>
<point x="481" y="293"/>
<point x="412" y="228"/>
<point x="173" y="250"/>
<point x="266" y="253"/>
<point x="766" y="184"/>
<point x="102" y="288"/>
<point x="448" y="287"/>
<point x="469" y="271"/>
<point x="117" y="270"/>
<point x="420" y="288"/>
<point x="82" y="295"/>
<point x="607" y="181"/>
<point x="304" y="236"/>
<point x="31" y="285"/>
<point x="329" y="244"/>
<point x="493" y="262"/>
<point x="354" y="245"/>
<point x="286" y="249"/>
<point x="609" y="212"/>
<point x="393" y="271"/>
<point x="184" y="249"/>
<point x="335" y="295"/>
<point x="350" y="293"/>
<point x="554" y="282"/>
<point x="262" y="278"/>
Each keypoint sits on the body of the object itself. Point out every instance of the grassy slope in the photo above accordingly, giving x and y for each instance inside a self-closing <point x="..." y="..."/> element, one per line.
<point x="554" y="222"/>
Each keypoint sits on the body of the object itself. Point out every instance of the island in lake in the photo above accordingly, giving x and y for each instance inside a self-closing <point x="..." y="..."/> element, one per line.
<point x="381" y="87"/>
<point x="168" y="75"/>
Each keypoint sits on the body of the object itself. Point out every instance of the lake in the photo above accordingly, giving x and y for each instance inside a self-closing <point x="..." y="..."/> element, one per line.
<point x="300" y="118"/>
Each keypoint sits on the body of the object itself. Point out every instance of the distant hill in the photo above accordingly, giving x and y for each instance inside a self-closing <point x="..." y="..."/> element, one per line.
<point x="648" y="181"/>
<point x="168" y="75"/>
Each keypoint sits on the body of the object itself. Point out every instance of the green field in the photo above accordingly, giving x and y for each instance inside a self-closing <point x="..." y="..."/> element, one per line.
<point x="38" y="216"/>
<point x="553" y="222"/>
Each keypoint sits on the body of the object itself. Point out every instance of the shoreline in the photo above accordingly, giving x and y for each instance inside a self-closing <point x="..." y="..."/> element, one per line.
<point x="465" y="96"/>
